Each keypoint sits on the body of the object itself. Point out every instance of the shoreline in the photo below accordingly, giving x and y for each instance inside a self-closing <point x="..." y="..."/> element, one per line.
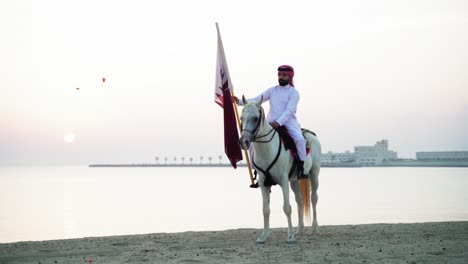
<point x="339" y="165"/>
<point x="433" y="242"/>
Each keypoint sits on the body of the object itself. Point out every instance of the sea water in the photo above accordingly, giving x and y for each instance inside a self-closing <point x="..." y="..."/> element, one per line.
<point x="44" y="203"/>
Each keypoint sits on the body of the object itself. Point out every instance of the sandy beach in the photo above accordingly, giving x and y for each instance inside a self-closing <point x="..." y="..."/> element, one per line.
<point x="440" y="242"/>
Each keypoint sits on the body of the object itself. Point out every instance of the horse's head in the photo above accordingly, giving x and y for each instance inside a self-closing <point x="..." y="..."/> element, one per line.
<point x="251" y="119"/>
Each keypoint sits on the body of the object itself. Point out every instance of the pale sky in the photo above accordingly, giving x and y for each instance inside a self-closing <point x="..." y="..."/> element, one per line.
<point x="366" y="70"/>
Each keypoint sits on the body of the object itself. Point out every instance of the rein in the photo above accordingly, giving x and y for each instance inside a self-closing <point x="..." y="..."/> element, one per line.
<point x="268" y="178"/>
<point x="266" y="141"/>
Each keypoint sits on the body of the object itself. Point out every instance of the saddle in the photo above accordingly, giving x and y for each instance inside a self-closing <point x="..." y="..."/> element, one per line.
<point x="288" y="141"/>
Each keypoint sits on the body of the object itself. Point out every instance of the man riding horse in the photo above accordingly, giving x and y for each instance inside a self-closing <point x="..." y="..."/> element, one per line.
<point x="283" y="105"/>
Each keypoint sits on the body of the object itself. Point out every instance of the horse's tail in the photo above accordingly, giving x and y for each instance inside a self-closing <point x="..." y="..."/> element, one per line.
<point x="304" y="186"/>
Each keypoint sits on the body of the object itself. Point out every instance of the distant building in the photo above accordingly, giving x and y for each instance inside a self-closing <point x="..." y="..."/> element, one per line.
<point x="334" y="158"/>
<point x="374" y="155"/>
<point x="362" y="156"/>
<point x="442" y="156"/>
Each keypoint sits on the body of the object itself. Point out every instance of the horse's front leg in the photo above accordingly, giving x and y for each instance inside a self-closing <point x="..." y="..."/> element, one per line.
<point x="266" y="214"/>
<point x="287" y="210"/>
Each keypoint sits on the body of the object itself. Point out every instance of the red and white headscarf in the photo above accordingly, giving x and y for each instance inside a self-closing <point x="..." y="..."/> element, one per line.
<point x="289" y="70"/>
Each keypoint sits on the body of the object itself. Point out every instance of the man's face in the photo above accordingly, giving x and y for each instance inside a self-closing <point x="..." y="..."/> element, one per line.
<point x="283" y="78"/>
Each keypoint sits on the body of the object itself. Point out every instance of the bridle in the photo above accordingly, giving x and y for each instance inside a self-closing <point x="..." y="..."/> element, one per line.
<point x="254" y="133"/>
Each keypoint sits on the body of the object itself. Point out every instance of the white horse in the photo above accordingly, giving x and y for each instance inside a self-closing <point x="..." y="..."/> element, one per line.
<point x="270" y="157"/>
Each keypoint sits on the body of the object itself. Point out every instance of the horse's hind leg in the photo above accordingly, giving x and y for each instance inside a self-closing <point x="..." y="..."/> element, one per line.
<point x="300" y="211"/>
<point x="266" y="214"/>
<point x="314" y="181"/>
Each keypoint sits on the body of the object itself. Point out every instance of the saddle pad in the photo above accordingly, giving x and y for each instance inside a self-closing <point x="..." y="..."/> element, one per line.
<point x="288" y="141"/>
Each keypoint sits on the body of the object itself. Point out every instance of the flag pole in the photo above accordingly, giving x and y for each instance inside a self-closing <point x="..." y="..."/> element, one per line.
<point x="246" y="153"/>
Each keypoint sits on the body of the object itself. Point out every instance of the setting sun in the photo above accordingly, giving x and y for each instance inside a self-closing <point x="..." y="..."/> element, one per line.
<point x="69" y="137"/>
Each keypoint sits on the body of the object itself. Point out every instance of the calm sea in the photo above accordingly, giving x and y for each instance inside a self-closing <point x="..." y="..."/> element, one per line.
<point x="43" y="203"/>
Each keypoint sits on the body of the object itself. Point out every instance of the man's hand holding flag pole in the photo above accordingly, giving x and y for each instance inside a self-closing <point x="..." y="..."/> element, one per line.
<point x="223" y="91"/>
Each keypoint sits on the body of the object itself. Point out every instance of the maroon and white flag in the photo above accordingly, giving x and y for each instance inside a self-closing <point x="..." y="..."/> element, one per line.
<point x="223" y="88"/>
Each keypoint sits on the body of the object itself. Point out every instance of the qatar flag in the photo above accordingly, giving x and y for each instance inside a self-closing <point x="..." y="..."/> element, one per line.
<point x="223" y="89"/>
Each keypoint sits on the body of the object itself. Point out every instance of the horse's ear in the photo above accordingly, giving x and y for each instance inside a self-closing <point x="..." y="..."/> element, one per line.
<point x="261" y="101"/>
<point x="243" y="100"/>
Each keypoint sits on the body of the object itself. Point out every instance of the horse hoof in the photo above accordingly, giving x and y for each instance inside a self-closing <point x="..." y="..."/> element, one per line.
<point x="263" y="237"/>
<point x="299" y="232"/>
<point x="315" y="230"/>
<point x="291" y="239"/>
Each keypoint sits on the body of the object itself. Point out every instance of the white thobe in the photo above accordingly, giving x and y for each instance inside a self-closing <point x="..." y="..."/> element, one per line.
<point x="283" y="106"/>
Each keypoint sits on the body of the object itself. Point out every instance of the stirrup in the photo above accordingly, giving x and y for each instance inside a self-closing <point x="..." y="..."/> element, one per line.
<point x="300" y="171"/>
<point x="255" y="184"/>
<point x="302" y="176"/>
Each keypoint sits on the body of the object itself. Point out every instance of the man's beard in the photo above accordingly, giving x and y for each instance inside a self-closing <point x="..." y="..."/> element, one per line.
<point x="283" y="82"/>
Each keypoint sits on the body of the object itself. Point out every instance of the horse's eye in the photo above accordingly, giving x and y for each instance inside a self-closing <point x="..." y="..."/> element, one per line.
<point x="255" y="119"/>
